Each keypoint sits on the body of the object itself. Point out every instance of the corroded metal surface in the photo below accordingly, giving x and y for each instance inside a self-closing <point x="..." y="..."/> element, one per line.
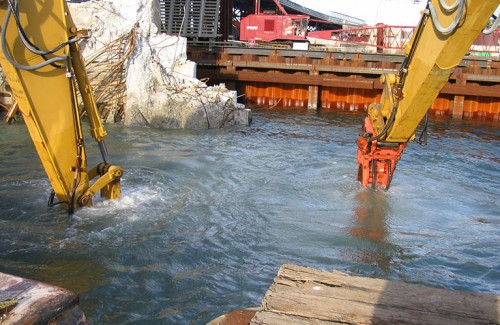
<point x="32" y="302"/>
<point x="346" y="81"/>
<point x="236" y="317"/>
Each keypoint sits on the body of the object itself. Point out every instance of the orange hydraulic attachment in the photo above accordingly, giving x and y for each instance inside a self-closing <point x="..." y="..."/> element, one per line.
<point x="442" y="38"/>
<point x="376" y="160"/>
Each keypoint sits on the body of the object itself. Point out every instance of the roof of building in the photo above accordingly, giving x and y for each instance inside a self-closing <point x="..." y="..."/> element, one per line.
<point x="332" y="17"/>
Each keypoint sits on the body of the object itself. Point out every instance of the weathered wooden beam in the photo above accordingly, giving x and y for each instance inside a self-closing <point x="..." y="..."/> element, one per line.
<point x="327" y="80"/>
<point x="476" y="69"/>
<point x="211" y="57"/>
<point x="289" y="78"/>
<point x="472" y="89"/>
<point x="301" y="295"/>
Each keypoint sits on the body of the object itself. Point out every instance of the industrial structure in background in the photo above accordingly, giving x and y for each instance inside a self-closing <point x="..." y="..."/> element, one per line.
<point x="256" y="23"/>
<point x="248" y="23"/>
<point x="204" y="21"/>
<point x="193" y="19"/>
<point x="273" y="26"/>
<point x="288" y="25"/>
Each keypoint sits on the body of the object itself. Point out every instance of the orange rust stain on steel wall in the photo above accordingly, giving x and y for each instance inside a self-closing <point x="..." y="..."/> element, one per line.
<point x="481" y="107"/>
<point x="276" y="95"/>
<point x="443" y="105"/>
<point x="350" y="99"/>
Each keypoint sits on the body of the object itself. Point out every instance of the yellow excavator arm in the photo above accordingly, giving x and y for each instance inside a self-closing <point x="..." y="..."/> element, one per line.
<point x="444" y="35"/>
<point x="41" y="59"/>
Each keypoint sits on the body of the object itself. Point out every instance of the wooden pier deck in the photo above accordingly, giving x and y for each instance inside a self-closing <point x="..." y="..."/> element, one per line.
<point x="301" y="295"/>
<point x="341" y="80"/>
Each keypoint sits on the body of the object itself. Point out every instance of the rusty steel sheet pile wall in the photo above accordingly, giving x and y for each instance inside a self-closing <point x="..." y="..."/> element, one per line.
<point x="341" y="80"/>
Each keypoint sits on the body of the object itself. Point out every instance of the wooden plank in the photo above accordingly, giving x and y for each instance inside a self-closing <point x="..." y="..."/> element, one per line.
<point x="264" y="317"/>
<point x="320" y="297"/>
<point x="276" y="77"/>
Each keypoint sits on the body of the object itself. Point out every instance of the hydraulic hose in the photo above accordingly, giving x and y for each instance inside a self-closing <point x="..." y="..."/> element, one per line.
<point x="493" y="27"/>
<point x="12" y="60"/>
<point x="422" y="139"/>
<point x="458" y="18"/>
<point x="14" y="8"/>
<point x="387" y="125"/>
<point x="403" y="72"/>
<point x="448" y="8"/>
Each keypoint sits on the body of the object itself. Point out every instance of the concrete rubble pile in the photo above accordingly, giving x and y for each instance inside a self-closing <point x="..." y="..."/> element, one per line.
<point x="160" y="90"/>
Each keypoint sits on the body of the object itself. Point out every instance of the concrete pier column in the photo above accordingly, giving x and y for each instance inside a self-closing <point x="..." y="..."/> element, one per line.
<point x="312" y="100"/>
<point x="458" y="107"/>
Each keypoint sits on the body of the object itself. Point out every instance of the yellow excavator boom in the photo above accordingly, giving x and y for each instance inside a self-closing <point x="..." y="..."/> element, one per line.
<point x="41" y="59"/>
<point x="443" y="37"/>
<point x="434" y="56"/>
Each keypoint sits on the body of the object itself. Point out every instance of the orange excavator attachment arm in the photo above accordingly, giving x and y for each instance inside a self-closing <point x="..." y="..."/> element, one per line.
<point x="445" y="33"/>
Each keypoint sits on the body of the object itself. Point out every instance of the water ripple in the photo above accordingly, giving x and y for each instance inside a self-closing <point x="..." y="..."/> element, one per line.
<point x="207" y="217"/>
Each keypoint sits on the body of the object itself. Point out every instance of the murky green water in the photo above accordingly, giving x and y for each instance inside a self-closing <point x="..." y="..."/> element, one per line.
<point x="207" y="217"/>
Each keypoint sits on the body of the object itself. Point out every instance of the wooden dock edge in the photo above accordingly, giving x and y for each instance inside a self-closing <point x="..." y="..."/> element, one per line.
<point x="302" y="295"/>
